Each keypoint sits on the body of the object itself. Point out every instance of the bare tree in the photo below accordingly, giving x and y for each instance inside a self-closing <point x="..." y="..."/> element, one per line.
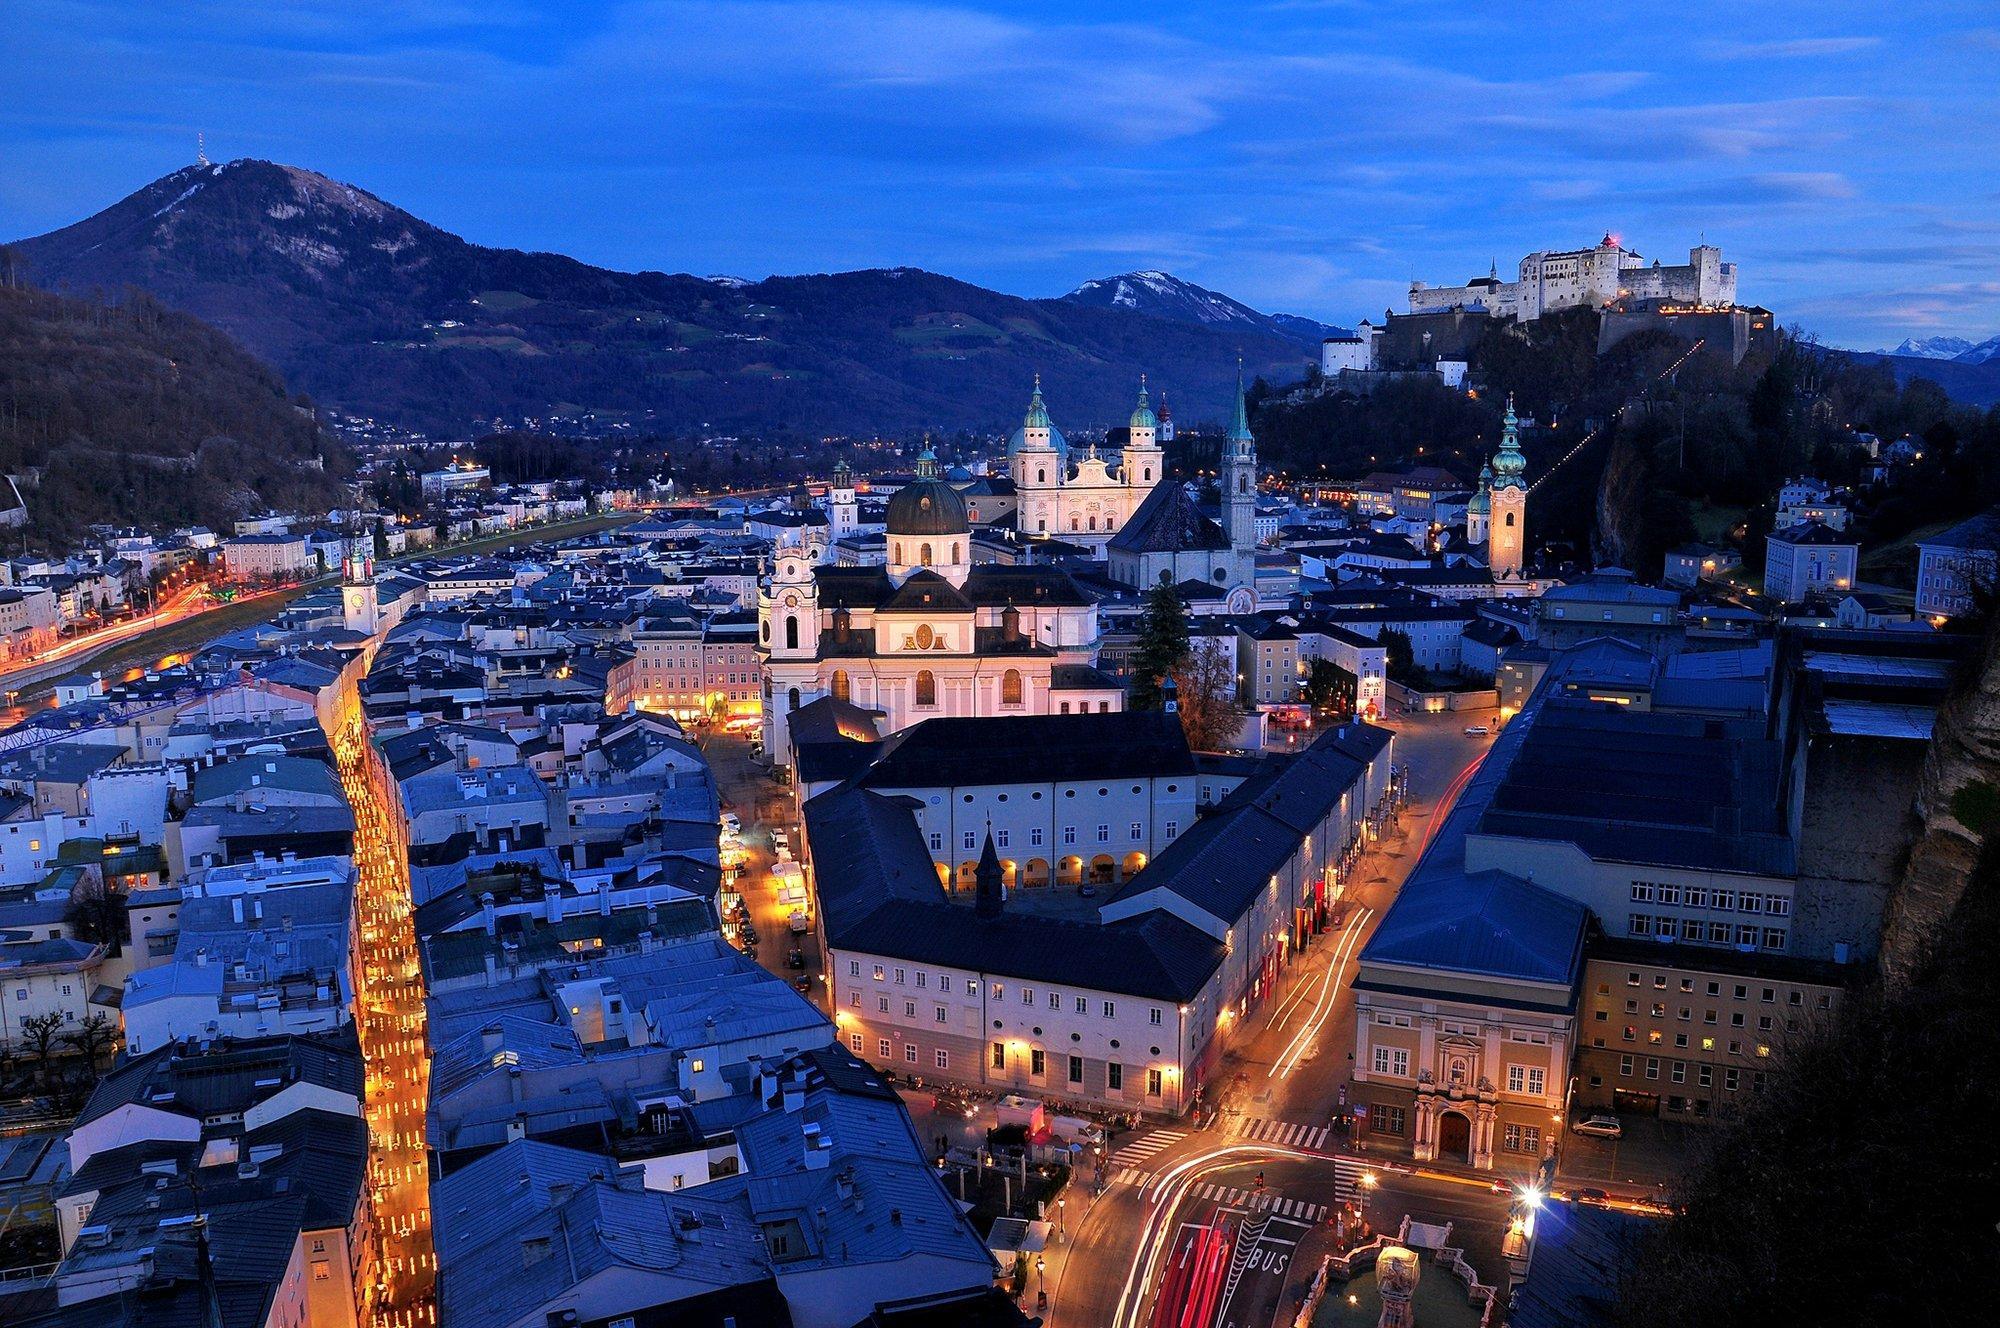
<point x="40" y="1032"/>
<point x="97" y="912"/>
<point x="1206" y="687"/>
<point x="92" y="1036"/>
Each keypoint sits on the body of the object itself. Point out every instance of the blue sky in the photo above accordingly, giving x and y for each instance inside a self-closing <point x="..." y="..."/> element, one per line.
<point x="1303" y="155"/>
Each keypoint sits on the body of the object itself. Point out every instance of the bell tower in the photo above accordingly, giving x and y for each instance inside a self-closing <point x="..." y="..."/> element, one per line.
<point x="1507" y="534"/>
<point x="1143" y="463"/>
<point x="360" y="611"/>
<point x="1239" y="476"/>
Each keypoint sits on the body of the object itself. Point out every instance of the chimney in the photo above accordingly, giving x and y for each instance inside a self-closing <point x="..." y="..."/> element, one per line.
<point x="818" y="1147"/>
<point x="514" y="1090"/>
<point x="236" y="909"/>
<point x="486" y="915"/>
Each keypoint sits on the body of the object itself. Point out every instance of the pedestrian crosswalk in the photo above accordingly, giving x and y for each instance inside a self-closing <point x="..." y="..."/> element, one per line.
<point x="1347" y="1173"/>
<point x="1141" y="1149"/>
<point x="1287" y="1133"/>
<point x="1260" y="1202"/>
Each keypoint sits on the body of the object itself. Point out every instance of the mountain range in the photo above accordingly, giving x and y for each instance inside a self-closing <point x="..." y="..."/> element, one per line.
<point x="1164" y="295"/>
<point x="1956" y="350"/>
<point x="376" y="313"/>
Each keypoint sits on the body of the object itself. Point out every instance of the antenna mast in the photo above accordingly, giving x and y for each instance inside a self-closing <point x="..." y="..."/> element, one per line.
<point x="200" y="148"/>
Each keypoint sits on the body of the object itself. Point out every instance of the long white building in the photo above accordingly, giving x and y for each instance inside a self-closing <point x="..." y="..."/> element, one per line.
<point x="1586" y="278"/>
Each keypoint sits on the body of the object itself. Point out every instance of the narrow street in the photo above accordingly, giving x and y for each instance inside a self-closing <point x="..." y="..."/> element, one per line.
<point x="1275" y="1093"/>
<point x="390" y="1016"/>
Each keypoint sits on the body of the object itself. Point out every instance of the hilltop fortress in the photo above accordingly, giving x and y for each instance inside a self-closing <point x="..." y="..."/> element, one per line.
<point x="1590" y="278"/>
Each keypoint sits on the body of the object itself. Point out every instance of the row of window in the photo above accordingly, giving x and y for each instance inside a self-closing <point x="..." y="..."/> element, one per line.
<point x="1655" y="1037"/>
<point x="1742" y="990"/>
<point x="969" y="839"/>
<point x="1702" y="896"/>
<point x="1532" y="1080"/>
<point x="1696" y="931"/>
<point x="1677" y="1072"/>
<point x="998" y="992"/>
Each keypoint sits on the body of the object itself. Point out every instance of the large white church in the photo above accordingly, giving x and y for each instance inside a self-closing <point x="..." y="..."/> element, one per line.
<point x="928" y="633"/>
<point x="1082" y="499"/>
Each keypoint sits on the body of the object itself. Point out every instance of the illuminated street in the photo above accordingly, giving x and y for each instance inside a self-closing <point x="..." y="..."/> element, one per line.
<point x="1185" y="1235"/>
<point x="390" y="1017"/>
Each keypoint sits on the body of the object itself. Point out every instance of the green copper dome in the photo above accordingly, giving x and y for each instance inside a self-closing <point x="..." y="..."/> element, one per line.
<point x="1509" y="465"/>
<point x="1142" y="414"/>
<point x="1038" y="414"/>
<point x="1481" y="502"/>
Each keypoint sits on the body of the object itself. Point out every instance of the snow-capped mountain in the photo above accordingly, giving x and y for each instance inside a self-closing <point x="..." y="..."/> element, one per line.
<point x="1164" y="295"/>
<point x="1956" y="349"/>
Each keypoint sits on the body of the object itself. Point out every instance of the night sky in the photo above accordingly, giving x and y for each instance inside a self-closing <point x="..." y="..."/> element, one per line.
<point x="1305" y="157"/>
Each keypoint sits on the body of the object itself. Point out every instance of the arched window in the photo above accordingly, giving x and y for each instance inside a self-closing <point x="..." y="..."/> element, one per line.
<point x="791" y="632"/>
<point x="1010" y="687"/>
<point x="1073" y="523"/>
<point x="1149" y="474"/>
<point x="955" y="547"/>
<point x="1041" y="477"/>
<point x="926" y="688"/>
<point x="1510" y="520"/>
<point x="793" y="698"/>
<point x="840" y="685"/>
<point x="1093" y="523"/>
<point x="924" y="554"/>
<point x="1242" y="484"/>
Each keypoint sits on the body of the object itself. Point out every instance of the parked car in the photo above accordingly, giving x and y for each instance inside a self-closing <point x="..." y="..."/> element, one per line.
<point x="1600" y="1127"/>
<point x="796" y="959"/>
<point x="1594" y="1198"/>
<point x="1477" y="730"/>
<point x="799" y="922"/>
<point x="804" y="985"/>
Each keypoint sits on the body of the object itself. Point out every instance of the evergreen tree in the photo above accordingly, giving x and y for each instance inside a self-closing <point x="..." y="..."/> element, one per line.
<point x="1329" y="689"/>
<point x="1162" y="646"/>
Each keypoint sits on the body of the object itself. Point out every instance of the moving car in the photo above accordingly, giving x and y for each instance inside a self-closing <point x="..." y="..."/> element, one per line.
<point x="1600" y="1127"/>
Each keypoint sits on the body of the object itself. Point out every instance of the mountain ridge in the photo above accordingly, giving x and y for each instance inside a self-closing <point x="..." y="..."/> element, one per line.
<point x="1164" y="295"/>
<point x="1951" y="350"/>
<point x="373" y="311"/>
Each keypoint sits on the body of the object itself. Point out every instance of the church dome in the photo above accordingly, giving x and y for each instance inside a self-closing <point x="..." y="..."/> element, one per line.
<point x="1142" y="414"/>
<point x="927" y="505"/>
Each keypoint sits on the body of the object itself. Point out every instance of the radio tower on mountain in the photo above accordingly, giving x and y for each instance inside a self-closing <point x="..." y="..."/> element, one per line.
<point x="200" y="148"/>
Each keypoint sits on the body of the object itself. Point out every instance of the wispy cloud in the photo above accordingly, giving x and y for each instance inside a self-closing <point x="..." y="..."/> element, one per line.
<point x="1319" y="156"/>
<point x="1792" y="48"/>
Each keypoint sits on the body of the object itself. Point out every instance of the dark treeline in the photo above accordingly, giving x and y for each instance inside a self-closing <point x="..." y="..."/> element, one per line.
<point x="1710" y="435"/>
<point x="132" y="412"/>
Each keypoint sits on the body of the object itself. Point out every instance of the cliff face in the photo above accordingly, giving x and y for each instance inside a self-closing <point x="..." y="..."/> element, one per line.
<point x="1958" y="806"/>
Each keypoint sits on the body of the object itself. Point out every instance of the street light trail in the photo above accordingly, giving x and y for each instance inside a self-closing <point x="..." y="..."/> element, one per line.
<point x="1169" y="1191"/>
<point x="1294" y="1053"/>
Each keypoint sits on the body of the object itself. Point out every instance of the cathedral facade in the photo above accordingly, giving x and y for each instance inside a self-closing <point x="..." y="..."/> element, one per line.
<point x="1082" y="499"/>
<point x="928" y="633"/>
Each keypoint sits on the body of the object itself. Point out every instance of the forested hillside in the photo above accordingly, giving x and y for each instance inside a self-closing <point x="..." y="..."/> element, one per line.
<point x="1701" y="452"/>
<point x="132" y="412"/>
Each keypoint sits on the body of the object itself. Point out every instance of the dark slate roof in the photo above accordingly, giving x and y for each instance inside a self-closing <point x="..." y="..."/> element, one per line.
<point x="1158" y="956"/>
<point x="998" y="585"/>
<point x="1813" y="532"/>
<point x="1223" y="860"/>
<point x="830" y="719"/>
<point x="224" y="1081"/>
<point x="1650" y="788"/>
<point x="1978" y="532"/>
<point x="879" y="894"/>
<point x="1022" y="749"/>
<point x="1168" y="522"/>
<point x="1582" y="1257"/>
<point x="1081" y="678"/>
<point x="925" y="591"/>
<point x="1488" y="922"/>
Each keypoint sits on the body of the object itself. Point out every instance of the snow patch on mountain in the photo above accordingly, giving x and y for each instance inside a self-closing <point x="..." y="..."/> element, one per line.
<point x="1932" y="348"/>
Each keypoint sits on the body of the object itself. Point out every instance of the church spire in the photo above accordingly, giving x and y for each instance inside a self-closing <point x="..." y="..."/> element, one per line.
<point x="1509" y="463"/>
<point x="1038" y="414"/>
<point x="1142" y="414"/>
<point x="989" y="882"/>
<point x="1239" y="427"/>
<point x="927" y="468"/>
